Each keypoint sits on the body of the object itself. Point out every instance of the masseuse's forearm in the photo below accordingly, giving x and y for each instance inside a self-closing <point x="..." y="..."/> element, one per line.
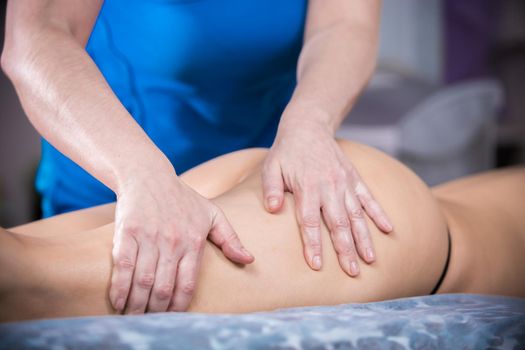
<point x="336" y="62"/>
<point x="69" y="102"/>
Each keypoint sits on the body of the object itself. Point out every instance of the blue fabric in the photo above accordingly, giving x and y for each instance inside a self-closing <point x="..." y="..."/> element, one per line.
<point x="448" y="321"/>
<point x="202" y="78"/>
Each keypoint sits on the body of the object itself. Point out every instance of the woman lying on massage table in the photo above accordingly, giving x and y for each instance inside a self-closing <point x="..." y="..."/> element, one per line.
<point x="465" y="236"/>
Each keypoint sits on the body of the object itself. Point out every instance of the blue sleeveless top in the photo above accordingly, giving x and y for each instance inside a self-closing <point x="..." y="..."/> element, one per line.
<point x="201" y="77"/>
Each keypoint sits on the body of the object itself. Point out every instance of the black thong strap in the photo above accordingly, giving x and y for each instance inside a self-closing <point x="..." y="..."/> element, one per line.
<point x="442" y="277"/>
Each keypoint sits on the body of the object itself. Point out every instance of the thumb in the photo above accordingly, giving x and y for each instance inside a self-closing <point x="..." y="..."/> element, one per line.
<point x="224" y="237"/>
<point x="273" y="187"/>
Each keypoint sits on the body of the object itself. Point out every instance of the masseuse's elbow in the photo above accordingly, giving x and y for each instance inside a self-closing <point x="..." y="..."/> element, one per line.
<point x="8" y="60"/>
<point x="12" y="62"/>
<point x="16" y="51"/>
<point x="6" y="63"/>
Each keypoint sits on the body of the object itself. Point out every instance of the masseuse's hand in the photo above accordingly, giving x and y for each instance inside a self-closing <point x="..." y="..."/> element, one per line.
<point x="161" y="227"/>
<point x="308" y="162"/>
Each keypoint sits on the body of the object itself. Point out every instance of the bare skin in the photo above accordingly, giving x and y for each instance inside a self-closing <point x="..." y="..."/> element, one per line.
<point x="70" y="104"/>
<point x="72" y="252"/>
<point x="336" y="61"/>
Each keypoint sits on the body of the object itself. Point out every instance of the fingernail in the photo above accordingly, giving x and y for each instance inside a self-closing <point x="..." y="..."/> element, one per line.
<point x="119" y="305"/>
<point x="316" y="262"/>
<point x="273" y="202"/>
<point x="354" y="268"/>
<point x="370" y="254"/>
<point x="246" y="252"/>
<point x="386" y="224"/>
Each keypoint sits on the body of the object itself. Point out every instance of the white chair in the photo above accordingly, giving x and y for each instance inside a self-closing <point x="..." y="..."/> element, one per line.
<point x="449" y="133"/>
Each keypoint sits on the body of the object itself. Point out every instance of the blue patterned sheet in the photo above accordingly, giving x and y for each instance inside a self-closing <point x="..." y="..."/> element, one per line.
<point x="449" y="321"/>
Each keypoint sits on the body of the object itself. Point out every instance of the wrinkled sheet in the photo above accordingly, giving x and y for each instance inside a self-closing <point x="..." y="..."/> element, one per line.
<point x="449" y="321"/>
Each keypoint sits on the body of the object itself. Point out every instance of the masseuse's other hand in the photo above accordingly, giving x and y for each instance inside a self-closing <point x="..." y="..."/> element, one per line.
<point x="308" y="162"/>
<point x="161" y="226"/>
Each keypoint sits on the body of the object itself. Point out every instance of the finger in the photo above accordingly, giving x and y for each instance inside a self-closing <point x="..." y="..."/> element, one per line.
<point x="164" y="285"/>
<point x="336" y="217"/>
<point x="124" y="259"/>
<point x="359" y="228"/>
<point x="372" y="207"/>
<point x="186" y="280"/>
<point x="224" y="237"/>
<point x="144" y="277"/>
<point x="273" y="187"/>
<point x="309" y="219"/>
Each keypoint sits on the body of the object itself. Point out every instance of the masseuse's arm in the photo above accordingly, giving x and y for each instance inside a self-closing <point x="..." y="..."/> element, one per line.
<point x="336" y="62"/>
<point x="161" y="224"/>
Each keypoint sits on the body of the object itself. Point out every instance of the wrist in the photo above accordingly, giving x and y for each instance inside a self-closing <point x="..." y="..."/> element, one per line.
<point x="297" y="117"/>
<point x="142" y="171"/>
<point x="301" y="123"/>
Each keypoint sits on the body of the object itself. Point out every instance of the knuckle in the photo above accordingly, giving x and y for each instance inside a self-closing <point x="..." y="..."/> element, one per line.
<point x="219" y="240"/>
<point x="341" y="222"/>
<point x="135" y="310"/>
<point x="356" y="213"/>
<point x="310" y="221"/>
<point x="353" y="172"/>
<point x="131" y="228"/>
<point x="373" y="206"/>
<point x="168" y="259"/>
<point x="174" y="226"/>
<point x="336" y="176"/>
<point x="230" y="237"/>
<point x="344" y="249"/>
<point x="121" y="291"/>
<point x="342" y="175"/>
<point x="146" y="281"/>
<point x="149" y="234"/>
<point x="332" y="176"/>
<point x="125" y="263"/>
<point x="177" y="307"/>
<point x="163" y="292"/>
<point x="171" y="240"/>
<point x="361" y="231"/>
<point x="176" y="240"/>
<point x="314" y="244"/>
<point x="188" y="287"/>
<point x="198" y="242"/>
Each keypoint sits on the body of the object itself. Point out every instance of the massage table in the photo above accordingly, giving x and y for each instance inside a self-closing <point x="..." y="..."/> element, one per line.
<point x="443" y="321"/>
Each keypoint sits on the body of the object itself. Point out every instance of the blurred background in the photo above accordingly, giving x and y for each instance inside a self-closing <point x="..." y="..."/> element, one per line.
<point x="447" y="99"/>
